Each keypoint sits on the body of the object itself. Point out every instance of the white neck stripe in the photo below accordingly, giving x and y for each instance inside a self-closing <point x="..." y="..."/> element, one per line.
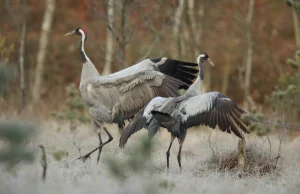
<point x="82" y="38"/>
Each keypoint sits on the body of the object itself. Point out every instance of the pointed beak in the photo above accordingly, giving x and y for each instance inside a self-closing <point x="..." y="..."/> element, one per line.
<point x="210" y="62"/>
<point x="70" y="33"/>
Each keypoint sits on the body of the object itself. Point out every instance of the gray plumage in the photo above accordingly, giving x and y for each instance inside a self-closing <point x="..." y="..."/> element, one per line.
<point x="118" y="96"/>
<point x="191" y="109"/>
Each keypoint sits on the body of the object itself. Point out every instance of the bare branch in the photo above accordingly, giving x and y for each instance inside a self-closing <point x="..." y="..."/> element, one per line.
<point x="21" y="57"/>
<point x="44" y="39"/>
<point x="150" y="48"/>
<point x="270" y="146"/>
<point x="281" y="138"/>
<point x="109" y="38"/>
<point x="73" y="140"/>
<point x="176" y="27"/>
<point x="249" y="55"/>
<point x="114" y="35"/>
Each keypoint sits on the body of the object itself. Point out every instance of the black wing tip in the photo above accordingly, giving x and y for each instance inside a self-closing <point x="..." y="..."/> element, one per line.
<point x="184" y="63"/>
<point x="181" y="70"/>
<point x="190" y="70"/>
<point x="185" y="87"/>
<point x="153" y="112"/>
<point x="135" y="125"/>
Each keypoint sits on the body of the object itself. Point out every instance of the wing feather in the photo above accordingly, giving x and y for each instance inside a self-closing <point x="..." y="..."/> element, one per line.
<point x="135" y="125"/>
<point x="135" y="86"/>
<point x="141" y="119"/>
<point x="211" y="109"/>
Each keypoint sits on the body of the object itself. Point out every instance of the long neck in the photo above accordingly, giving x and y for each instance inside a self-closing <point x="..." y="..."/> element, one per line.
<point x="195" y="88"/>
<point x="88" y="69"/>
<point x="83" y="55"/>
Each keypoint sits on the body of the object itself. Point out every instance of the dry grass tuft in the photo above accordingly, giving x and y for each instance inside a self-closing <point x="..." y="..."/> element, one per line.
<point x="259" y="161"/>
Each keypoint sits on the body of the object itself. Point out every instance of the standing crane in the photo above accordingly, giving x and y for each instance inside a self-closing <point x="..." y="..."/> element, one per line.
<point x="118" y="96"/>
<point x="177" y="114"/>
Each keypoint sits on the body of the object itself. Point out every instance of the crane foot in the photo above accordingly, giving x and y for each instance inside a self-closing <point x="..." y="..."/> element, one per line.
<point x="85" y="157"/>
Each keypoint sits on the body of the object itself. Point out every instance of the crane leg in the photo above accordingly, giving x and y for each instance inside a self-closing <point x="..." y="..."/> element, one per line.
<point x="100" y="149"/>
<point x="179" y="153"/>
<point x="110" y="138"/>
<point x="168" y="152"/>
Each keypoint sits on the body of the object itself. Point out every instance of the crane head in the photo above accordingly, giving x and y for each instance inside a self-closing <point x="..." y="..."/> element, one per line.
<point x="78" y="31"/>
<point x="204" y="57"/>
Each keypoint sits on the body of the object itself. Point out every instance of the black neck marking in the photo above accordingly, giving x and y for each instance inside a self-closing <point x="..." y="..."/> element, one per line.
<point x="81" y="49"/>
<point x="201" y="72"/>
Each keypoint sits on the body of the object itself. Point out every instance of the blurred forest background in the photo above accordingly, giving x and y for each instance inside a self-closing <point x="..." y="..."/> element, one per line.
<point x="253" y="44"/>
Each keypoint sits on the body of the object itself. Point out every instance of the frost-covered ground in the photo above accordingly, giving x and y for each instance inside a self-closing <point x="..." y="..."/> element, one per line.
<point x="70" y="175"/>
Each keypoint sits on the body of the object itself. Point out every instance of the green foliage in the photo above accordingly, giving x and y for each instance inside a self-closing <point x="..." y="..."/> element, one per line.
<point x="5" y="76"/>
<point x="287" y="94"/>
<point x="59" y="154"/>
<point x="256" y="120"/>
<point x="139" y="157"/>
<point x="73" y="109"/>
<point x="294" y="4"/>
<point x="15" y="135"/>
<point x="5" y="73"/>
<point x="5" y="49"/>
<point x="262" y="124"/>
<point x="295" y="62"/>
<point x="166" y="184"/>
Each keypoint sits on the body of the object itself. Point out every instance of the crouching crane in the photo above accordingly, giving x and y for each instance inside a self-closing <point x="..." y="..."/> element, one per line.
<point x="177" y="114"/>
<point x="118" y="96"/>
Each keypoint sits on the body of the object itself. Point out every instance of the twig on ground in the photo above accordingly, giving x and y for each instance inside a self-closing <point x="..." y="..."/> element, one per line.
<point x="73" y="140"/>
<point x="43" y="162"/>
<point x="212" y="145"/>
<point x="281" y="138"/>
<point x="270" y="146"/>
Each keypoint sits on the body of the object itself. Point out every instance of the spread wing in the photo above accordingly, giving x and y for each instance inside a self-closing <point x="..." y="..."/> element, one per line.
<point x="143" y="119"/>
<point x="212" y="109"/>
<point x="129" y="90"/>
<point x="181" y="70"/>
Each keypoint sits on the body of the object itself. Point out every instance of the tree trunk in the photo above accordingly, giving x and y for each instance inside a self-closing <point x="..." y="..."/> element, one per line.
<point x="177" y="23"/>
<point x="109" y="38"/>
<point x="123" y="35"/>
<point x="230" y="50"/>
<point x="196" y="26"/>
<point x="249" y="54"/>
<point x="296" y="28"/>
<point x="21" y="57"/>
<point x="44" y="38"/>
<point x="196" y="19"/>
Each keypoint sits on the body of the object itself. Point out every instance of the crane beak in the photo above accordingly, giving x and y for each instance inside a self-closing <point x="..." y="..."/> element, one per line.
<point x="70" y="33"/>
<point x="210" y="62"/>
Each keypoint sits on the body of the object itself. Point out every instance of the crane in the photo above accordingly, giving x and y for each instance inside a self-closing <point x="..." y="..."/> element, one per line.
<point x="193" y="108"/>
<point x="116" y="97"/>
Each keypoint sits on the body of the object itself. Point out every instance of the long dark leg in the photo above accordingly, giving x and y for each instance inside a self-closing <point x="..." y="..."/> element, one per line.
<point x="168" y="152"/>
<point x="100" y="149"/>
<point x="110" y="138"/>
<point x="179" y="153"/>
<point x="179" y="156"/>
